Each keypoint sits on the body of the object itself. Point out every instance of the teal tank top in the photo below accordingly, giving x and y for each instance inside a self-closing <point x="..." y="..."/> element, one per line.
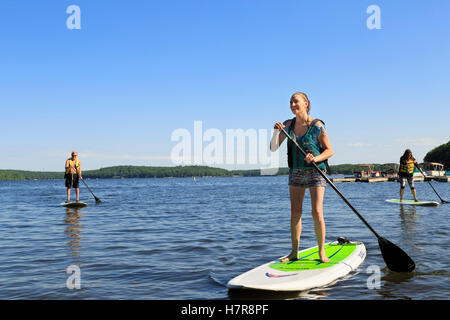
<point x="308" y="142"/>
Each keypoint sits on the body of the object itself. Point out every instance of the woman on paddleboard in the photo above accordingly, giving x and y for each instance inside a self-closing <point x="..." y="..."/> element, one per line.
<point x="310" y="134"/>
<point x="72" y="175"/>
<point x="406" y="173"/>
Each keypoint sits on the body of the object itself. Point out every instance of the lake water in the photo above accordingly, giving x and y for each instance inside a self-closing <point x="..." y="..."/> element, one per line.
<point x="181" y="238"/>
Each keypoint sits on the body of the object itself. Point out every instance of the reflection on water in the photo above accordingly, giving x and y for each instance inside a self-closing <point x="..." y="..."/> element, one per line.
<point x="392" y="281"/>
<point x="408" y="212"/>
<point x="408" y="217"/>
<point x="408" y="223"/>
<point x="73" y="232"/>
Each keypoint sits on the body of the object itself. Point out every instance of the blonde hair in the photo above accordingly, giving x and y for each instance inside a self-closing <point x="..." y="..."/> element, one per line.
<point x="305" y="97"/>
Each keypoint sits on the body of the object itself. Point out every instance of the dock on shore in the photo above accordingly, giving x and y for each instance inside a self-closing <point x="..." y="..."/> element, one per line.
<point x="386" y="179"/>
<point x="348" y="179"/>
<point x="374" y="179"/>
<point x="363" y="179"/>
<point x="442" y="178"/>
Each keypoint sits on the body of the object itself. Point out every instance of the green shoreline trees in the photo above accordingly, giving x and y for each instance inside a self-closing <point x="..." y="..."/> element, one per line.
<point x="439" y="154"/>
<point x="164" y="172"/>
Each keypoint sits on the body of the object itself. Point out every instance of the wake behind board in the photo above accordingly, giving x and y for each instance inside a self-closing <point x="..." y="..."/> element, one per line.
<point x="307" y="272"/>
<point x="75" y="204"/>
<point x="412" y="202"/>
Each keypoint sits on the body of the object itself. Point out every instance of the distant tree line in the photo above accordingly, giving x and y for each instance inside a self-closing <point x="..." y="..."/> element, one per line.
<point x="29" y="175"/>
<point x="155" y="172"/>
<point x="122" y="172"/>
<point x="439" y="154"/>
<point x="351" y="168"/>
<point x="179" y="171"/>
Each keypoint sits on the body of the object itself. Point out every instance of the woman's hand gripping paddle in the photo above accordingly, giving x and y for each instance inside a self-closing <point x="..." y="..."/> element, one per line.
<point x="396" y="259"/>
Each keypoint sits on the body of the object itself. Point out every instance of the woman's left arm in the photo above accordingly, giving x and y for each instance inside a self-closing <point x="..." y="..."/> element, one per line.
<point x="325" y="142"/>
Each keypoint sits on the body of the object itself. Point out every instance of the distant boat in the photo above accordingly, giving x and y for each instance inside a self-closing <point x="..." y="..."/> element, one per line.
<point x="367" y="173"/>
<point x="433" y="169"/>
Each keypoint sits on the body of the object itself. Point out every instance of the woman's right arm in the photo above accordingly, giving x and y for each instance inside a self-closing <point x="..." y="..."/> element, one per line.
<point x="277" y="138"/>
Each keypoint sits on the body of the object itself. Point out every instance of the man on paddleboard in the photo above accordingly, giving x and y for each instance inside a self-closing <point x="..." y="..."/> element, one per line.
<point x="72" y="175"/>
<point x="311" y="135"/>
<point x="406" y="173"/>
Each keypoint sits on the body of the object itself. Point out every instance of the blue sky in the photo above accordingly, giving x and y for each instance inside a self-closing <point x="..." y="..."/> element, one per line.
<point x="116" y="89"/>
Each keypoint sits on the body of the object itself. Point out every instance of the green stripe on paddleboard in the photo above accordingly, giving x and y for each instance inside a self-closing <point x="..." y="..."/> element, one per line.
<point x="309" y="259"/>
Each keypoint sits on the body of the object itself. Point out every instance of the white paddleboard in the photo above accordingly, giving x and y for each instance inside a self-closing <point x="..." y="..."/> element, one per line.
<point x="307" y="272"/>
<point x="75" y="204"/>
<point x="412" y="202"/>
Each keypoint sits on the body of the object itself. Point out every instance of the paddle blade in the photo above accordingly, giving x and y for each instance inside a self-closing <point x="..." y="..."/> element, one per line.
<point x="396" y="259"/>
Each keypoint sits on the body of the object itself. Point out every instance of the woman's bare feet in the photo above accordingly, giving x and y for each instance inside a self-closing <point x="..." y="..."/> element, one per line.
<point x="291" y="257"/>
<point x="323" y="257"/>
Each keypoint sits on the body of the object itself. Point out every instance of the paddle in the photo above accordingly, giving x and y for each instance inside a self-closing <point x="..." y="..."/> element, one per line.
<point x="396" y="259"/>
<point x="97" y="200"/>
<point x="442" y="201"/>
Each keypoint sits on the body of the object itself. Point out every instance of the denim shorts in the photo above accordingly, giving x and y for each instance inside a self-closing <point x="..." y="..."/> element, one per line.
<point x="306" y="178"/>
